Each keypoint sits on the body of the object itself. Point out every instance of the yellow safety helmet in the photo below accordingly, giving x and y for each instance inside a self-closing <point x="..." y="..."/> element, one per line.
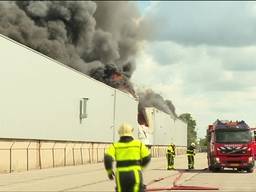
<point x="125" y="130"/>
<point x="193" y="144"/>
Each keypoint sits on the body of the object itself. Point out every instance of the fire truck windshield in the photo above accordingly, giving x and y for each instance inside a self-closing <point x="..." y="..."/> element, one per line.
<point x="233" y="136"/>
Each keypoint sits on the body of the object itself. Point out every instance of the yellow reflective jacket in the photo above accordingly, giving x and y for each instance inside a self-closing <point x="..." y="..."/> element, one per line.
<point x="128" y="155"/>
<point x="171" y="150"/>
<point x="191" y="151"/>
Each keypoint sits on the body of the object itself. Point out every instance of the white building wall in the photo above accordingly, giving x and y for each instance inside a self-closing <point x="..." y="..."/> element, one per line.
<point x="165" y="129"/>
<point x="40" y="99"/>
<point x="180" y="137"/>
<point x="163" y="134"/>
<point x="126" y="110"/>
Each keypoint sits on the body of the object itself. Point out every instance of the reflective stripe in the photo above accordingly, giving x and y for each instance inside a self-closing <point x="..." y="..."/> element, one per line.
<point x="118" y="185"/>
<point x="190" y="152"/>
<point x="134" y="150"/>
<point x="127" y="163"/>
<point x="137" y="181"/>
<point x="130" y="168"/>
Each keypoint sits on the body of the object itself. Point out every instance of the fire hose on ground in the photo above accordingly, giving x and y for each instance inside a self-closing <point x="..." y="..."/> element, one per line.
<point x="176" y="186"/>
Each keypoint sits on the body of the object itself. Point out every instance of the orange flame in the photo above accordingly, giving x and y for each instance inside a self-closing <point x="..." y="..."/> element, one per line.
<point x="117" y="76"/>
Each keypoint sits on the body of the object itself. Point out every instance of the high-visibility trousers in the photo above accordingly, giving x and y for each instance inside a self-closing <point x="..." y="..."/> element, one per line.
<point x="191" y="161"/>
<point x="170" y="161"/>
<point x="129" y="181"/>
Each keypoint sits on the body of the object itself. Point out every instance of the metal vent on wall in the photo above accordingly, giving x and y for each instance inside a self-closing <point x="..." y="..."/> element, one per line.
<point x="83" y="108"/>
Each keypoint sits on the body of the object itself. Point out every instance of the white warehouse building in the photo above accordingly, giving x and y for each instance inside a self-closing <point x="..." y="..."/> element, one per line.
<point x="52" y="115"/>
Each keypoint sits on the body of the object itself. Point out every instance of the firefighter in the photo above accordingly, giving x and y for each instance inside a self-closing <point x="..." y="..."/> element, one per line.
<point x="170" y="154"/>
<point x="131" y="157"/>
<point x="191" y="153"/>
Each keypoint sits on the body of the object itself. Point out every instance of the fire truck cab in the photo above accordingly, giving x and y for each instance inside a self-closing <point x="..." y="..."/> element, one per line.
<point x="253" y="130"/>
<point x="230" y="145"/>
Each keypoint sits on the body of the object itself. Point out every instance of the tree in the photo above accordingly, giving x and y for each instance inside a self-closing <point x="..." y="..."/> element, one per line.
<point x="203" y="144"/>
<point x="191" y="125"/>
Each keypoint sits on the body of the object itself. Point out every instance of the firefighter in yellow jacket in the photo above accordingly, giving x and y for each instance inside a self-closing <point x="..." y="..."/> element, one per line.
<point x="191" y="153"/>
<point x="130" y="156"/>
<point x="170" y="154"/>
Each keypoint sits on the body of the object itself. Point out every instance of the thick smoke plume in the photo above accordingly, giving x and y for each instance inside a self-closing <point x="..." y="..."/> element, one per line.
<point x="149" y="98"/>
<point x="91" y="37"/>
<point x="99" y="39"/>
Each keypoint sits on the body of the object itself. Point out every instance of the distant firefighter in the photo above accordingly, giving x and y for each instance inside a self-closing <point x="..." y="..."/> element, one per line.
<point x="131" y="157"/>
<point x="170" y="154"/>
<point x="191" y="153"/>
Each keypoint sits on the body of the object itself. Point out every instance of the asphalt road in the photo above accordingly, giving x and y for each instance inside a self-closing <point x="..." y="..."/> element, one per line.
<point x="92" y="178"/>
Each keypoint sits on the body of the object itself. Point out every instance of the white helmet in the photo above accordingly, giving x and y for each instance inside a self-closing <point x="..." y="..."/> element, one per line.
<point x="125" y="130"/>
<point x="193" y="144"/>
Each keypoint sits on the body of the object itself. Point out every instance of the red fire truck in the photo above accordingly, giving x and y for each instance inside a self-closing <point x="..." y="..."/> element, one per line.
<point x="230" y="145"/>
<point x="253" y="130"/>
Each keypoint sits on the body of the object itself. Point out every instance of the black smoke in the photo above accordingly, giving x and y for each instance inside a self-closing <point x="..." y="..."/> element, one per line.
<point x="149" y="98"/>
<point x="84" y="35"/>
<point x="99" y="39"/>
